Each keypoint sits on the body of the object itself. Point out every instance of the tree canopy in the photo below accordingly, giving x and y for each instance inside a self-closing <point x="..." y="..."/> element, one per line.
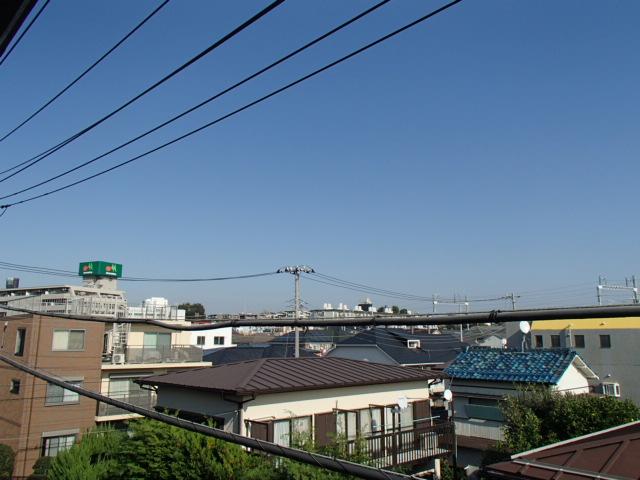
<point x="539" y="416"/>
<point x="193" y="309"/>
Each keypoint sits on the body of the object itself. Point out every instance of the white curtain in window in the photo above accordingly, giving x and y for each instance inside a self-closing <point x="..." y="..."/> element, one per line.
<point x="352" y="430"/>
<point x="365" y="422"/>
<point x="406" y="418"/>
<point x="60" y="340"/>
<point x="281" y="433"/>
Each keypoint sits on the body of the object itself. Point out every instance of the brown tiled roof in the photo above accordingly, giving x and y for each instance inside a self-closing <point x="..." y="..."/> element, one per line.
<point x="609" y="454"/>
<point x="269" y="375"/>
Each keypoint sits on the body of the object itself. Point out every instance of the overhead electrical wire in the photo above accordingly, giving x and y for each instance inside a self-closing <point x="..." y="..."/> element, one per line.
<point x="41" y="156"/>
<point x="79" y="77"/>
<point x="205" y="102"/>
<point x="245" y="107"/>
<point x="318" y="460"/>
<point x="69" y="273"/>
<point x="24" y="32"/>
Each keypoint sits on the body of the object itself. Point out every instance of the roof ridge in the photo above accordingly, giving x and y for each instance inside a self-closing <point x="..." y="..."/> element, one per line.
<point x="259" y="362"/>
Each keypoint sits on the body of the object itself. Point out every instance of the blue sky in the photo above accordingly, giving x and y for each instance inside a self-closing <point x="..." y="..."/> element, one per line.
<point x="489" y="150"/>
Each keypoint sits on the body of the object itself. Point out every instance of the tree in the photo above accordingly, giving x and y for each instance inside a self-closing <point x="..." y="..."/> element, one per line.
<point x="40" y="468"/>
<point x="539" y="416"/>
<point x="7" y="458"/>
<point x="404" y="311"/>
<point x="95" y="457"/>
<point x="395" y="309"/>
<point x="380" y="310"/>
<point x="193" y="309"/>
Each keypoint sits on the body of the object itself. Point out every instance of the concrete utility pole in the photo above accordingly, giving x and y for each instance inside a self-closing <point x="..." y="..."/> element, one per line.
<point x="296" y="270"/>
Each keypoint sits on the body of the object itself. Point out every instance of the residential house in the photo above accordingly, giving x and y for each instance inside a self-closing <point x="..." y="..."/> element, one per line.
<point x="480" y="377"/>
<point x="608" y="454"/>
<point x="604" y="343"/>
<point x="396" y="346"/>
<point x="286" y="400"/>
<point x="318" y="340"/>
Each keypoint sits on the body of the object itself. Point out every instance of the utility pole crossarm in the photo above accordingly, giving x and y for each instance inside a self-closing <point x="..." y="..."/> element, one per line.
<point x="296" y="270"/>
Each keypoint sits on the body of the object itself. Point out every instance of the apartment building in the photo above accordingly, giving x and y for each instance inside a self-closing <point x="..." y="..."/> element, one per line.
<point x="37" y="418"/>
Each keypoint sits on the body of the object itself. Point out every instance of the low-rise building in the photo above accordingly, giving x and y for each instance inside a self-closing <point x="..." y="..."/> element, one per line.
<point x="608" y="454"/>
<point x="385" y="407"/>
<point x="480" y="377"/>
<point x="396" y="346"/>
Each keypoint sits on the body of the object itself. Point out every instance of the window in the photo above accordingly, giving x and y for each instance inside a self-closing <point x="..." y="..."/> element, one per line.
<point x="200" y="340"/>
<point x="413" y="343"/>
<point x="555" y="341"/>
<point x="51" y="446"/>
<point x="347" y="424"/>
<point x="57" y="395"/>
<point x="68" y="340"/>
<point x="539" y="341"/>
<point x="21" y="336"/>
<point x="281" y="432"/>
<point x="296" y="430"/>
<point x="15" y="387"/>
<point x="218" y="340"/>
<point x="605" y="341"/>
<point x="157" y="340"/>
<point x="578" y="341"/>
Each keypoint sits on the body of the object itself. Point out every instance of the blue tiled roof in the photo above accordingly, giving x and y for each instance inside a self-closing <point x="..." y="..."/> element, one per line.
<point x="533" y="366"/>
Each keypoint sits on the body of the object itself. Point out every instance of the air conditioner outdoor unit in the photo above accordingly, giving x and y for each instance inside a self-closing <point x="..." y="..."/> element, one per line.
<point x="118" y="358"/>
<point x="611" y="389"/>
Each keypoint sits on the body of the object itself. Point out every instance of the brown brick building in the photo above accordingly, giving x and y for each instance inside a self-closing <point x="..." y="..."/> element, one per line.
<point x="38" y="419"/>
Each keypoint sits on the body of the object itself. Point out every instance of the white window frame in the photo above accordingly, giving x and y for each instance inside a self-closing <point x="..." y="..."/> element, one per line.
<point x="413" y="343"/>
<point x="200" y="340"/>
<point x="217" y="339"/>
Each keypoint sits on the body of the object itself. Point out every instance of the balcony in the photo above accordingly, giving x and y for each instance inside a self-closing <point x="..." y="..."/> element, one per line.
<point x="407" y="447"/>
<point x="144" y="399"/>
<point x="146" y="355"/>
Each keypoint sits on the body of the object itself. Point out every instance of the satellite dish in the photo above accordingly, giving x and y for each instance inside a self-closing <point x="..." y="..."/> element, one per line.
<point x="448" y="395"/>
<point x="525" y="327"/>
<point x="403" y="402"/>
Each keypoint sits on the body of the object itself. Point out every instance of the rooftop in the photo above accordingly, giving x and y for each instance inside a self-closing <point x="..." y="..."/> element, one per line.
<point x="608" y="454"/>
<point x="273" y="375"/>
<point x="532" y="366"/>
<point x="433" y="349"/>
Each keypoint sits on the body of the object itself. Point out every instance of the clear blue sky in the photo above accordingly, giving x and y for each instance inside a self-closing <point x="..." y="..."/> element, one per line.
<point x="492" y="149"/>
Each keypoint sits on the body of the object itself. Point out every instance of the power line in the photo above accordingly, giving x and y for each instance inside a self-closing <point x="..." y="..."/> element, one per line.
<point x="24" y="32"/>
<point x="322" y="461"/>
<point x="69" y="273"/>
<point x="77" y="79"/>
<point x="41" y="156"/>
<point x="203" y="103"/>
<point x="493" y="316"/>
<point x="245" y="107"/>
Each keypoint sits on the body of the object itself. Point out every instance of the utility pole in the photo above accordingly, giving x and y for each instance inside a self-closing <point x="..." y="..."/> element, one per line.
<point x="296" y="270"/>
<point x="628" y="285"/>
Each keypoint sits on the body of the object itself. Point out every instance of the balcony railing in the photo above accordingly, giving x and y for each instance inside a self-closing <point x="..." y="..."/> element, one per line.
<point x="488" y="430"/>
<point x="169" y="354"/>
<point x="145" y="399"/>
<point x="406" y="447"/>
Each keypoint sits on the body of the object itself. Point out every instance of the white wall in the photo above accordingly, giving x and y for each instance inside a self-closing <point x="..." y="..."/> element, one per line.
<point x="309" y="402"/>
<point x="572" y="381"/>
<point x="209" y="338"/>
